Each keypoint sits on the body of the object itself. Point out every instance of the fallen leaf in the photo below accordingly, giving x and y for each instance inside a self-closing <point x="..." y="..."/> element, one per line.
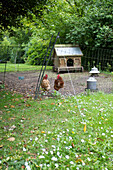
<point x="5" y="106"/>
<point x="85" y="128"/>
<point x="1" y="146"/>
<point x="12" y="106"/>
<point x="73" y="145"/>
<point x="11" y="139"/>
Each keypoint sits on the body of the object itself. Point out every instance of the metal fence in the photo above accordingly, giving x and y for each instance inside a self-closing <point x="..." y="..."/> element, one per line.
<point x="99" y="57"/>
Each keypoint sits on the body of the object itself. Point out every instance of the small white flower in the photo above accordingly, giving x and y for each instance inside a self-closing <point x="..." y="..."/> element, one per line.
<point x="70" y="138"/>
<point x="88" y="159"/>
<point x="46" y="152"/>
<point x="0" y="161"/>
<point x="77" y="168"/>
<point x="64" y="141"/>
<point x="56" y="165"/>
<point x="67" y="157"/>
<point x="46" y="141"/>
<point x="71" y="162"/>
<point x="36" y="139"/>
<point x="67" y="130"/>
<point x="112" y="136"/>
<point x="54" y="159"/>
<point x="83" y="163"/>
<point x="103" y="134"/>
<point x="76" y="155"/>
<point x="58" y="139"/>
<point x="53" y="146"/>
<point x="51" y="152"/>
<point x="48" y="165"/>
<point x="89" y="136"/>
<point x="101" y="127"/>
<point x="43" y="149"/>
<point x="99" y="122"/>
<point x="63" y="131"/>
<point x="103" y="156"/>
<point x="49" y="132"/>
<point x="82" y="140"/>
<point x="24" y="149"/>
<point x="41" y="165"/>
<point x="41" y="157"/>
<point x="111" y="131"/>
<point x="58" y="153"/>
<point x="107" y="131"/>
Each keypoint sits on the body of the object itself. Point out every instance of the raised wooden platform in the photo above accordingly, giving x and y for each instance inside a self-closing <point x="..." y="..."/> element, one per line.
<point x="66" y="69"/>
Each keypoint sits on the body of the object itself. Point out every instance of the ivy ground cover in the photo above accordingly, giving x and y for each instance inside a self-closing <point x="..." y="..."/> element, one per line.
<point x="62" y="133"/>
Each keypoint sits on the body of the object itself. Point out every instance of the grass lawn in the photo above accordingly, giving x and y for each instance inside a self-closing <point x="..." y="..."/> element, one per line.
<point x="62" y="133"/>
<point x="20" y="67"/>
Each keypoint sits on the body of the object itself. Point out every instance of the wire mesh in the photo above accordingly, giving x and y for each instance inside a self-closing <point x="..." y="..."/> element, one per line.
<point x="25" y="82"/>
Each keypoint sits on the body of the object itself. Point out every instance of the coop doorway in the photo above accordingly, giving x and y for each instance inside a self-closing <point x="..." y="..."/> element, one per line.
<point x="70" y="62"/>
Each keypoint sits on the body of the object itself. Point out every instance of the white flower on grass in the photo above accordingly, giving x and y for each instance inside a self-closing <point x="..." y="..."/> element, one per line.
<point x="58" y="139"/>
<point x="46" y="141"/>
<point x="56" y="165"/>
<point x="54" y="159"/>
<point x="82" y="140"/>
<point x="103" y="156"/>
<point x="71" y="162"/>
<point x="107" y="131"/>
<point x="58" y="153"/>
<point x="76" y="155"/>
<point x="88" y="159"/>
<point x="89" y="136"/>
<point x="24" y="149"/>
<point x="67" y="130"/>
<point x="41" y="157"/>
<point x="64" y="141"/>
<point x="111" y="131"/>
<point x="101" y="127"/>
<point x="70" y="138"/>
<point x="103" y="134"/>
<point x="67" y="156"/>
<point x="43" y="149"/>
<point x="48" y="165"/>
<point x="36" y="139"/>
<point x="112" y="136"/>
<point x="51" y="152"/>
<point x="53" y="146"/>
<point x="49" y="132"/>
<point x="46" y="152"/>
<point x="99" y="122"/>
<point x="27" y="166"/>
<point x="83" y="163"/>
<point x="77" y="168"/>
<point x="41" y="165"/>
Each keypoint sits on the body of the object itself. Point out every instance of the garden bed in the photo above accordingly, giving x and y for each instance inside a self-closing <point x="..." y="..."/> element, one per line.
<point x="75" y="83"/>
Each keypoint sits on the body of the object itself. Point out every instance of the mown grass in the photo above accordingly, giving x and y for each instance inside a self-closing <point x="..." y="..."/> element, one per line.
<point x="61" y="133"/>
<point x="20" y="67"/>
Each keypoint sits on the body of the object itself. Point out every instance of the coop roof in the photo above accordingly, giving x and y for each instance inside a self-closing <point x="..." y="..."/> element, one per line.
<point x="68" y="50"/>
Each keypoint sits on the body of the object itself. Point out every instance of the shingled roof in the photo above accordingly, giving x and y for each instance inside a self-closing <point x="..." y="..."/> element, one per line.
<point x="68" y="50"/>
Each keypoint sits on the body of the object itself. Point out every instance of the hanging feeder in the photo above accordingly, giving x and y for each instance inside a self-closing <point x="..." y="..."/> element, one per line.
<point x="94" y="72"/>
<point x="92" y="84"/>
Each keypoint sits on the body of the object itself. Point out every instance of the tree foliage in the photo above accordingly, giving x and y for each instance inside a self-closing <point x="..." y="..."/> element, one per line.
<point x="11" y="11"/>
<point x="83" y="22"/>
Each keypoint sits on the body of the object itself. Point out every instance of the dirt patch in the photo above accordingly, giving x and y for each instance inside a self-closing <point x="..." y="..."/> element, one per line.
<point x="75" y="83"/>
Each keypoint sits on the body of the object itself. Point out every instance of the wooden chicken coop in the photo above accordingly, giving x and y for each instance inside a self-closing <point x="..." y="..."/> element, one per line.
<point x="67" y="57"/>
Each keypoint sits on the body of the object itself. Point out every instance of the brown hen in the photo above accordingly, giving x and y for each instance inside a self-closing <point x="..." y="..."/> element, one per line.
<point x="45" y="84"/>
<point x="59" y="83"/>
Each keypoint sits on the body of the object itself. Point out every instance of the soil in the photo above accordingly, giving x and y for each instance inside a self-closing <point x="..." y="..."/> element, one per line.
<point x="75" y="83"/>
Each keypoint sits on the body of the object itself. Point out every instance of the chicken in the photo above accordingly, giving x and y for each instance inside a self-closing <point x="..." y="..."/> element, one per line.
<point x="45" y="84"/>
<point x="59" y="83"/>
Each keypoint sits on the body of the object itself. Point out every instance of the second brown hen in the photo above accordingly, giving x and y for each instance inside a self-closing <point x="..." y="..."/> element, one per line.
<point x="58" y="83"/>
